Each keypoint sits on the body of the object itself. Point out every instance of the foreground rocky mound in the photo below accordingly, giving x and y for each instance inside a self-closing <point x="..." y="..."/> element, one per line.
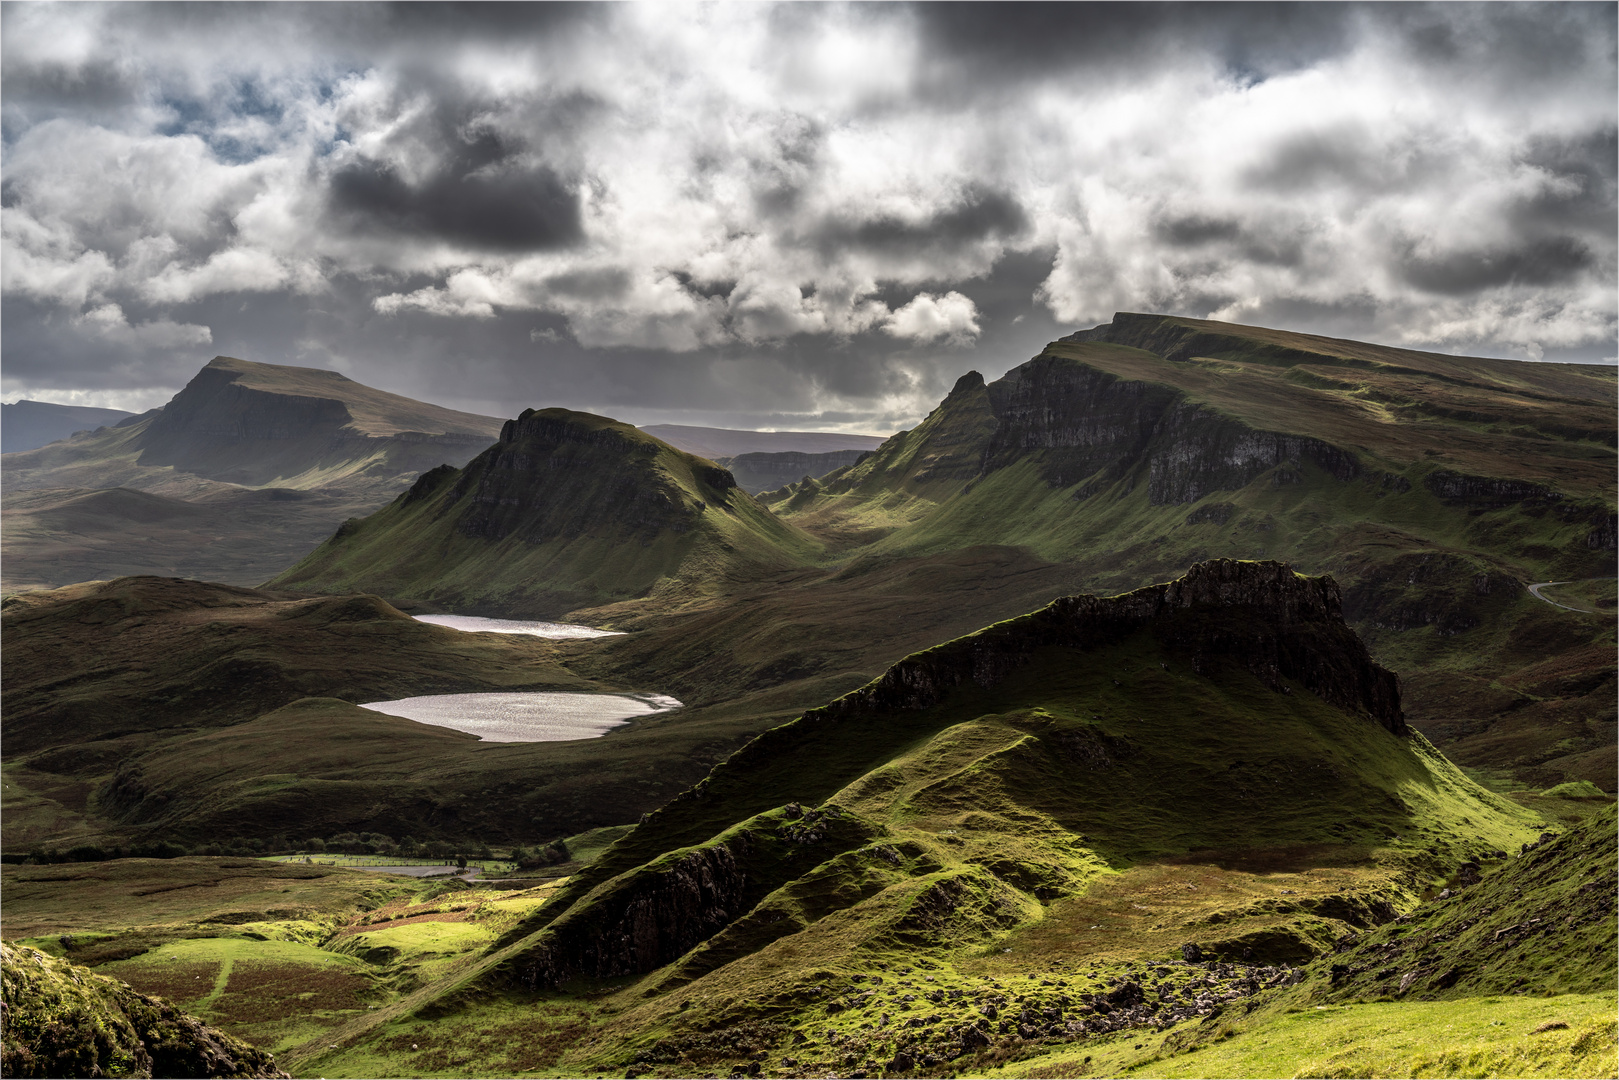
<point x="61" y="1019"/>
<point x="567" y="509"/>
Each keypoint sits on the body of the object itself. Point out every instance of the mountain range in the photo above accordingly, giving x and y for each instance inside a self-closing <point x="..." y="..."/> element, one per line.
<point x="1187" y="683"/>
<point x="1435" y="489"/>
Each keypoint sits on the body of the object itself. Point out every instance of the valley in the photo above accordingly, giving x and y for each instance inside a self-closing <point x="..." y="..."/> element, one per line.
<point x="1191" y="700"/>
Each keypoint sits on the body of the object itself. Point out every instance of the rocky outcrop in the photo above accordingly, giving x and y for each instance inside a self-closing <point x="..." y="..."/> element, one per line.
<point x="1261" y="616"/>
<point x="60" y="1019"/>
<point x="655" y="914"/>
<point x="1087" y="423"/>
<point x="1083" y="419"/>
<point x="561" y="474"/>
<point x="1485" y="490"/>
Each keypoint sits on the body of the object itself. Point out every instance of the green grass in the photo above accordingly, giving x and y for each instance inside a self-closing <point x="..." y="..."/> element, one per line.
<point x="1470" y="1037"/>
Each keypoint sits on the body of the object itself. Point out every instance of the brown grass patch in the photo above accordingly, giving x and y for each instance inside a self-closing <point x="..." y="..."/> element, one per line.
<point x="176" y="983"/>
<point x="263" y="993"/>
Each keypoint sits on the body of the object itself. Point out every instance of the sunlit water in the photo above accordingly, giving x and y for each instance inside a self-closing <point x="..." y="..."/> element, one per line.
<point x="478" y="625"/>
<point x="528" y="717"/>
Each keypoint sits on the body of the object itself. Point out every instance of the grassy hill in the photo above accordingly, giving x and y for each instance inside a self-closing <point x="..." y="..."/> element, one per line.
<point x="567" y="510"/>
<point x="986" y="848"/>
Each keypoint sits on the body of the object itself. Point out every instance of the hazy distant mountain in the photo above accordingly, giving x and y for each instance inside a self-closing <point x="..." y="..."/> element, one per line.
<point x="264" y="425"/>
<point x="760" y="472"/>
<point x="27" y="425"/>
<point x="716" y="443"/>
<point x="235" y="478"/>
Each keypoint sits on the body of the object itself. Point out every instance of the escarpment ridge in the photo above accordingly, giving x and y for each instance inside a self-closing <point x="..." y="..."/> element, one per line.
<point x="1228" y="710"/>
<point x="1262" y="616"/>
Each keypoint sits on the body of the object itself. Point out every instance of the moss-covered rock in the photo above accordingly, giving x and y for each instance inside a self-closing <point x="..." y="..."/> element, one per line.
<point x="60" y="1019"/>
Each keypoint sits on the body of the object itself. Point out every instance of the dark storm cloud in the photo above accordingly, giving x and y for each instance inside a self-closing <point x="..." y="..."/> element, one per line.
<point x="1195" y="230"/>
<point x="1019" y="41"/>
<point x="980" y="215"/>
<point x="482" y="196"/>
<point x="1549" y="261"/>
<point x="744" y="214"/>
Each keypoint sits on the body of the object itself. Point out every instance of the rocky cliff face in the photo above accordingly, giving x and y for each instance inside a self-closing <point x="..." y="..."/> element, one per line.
<point x="1260" y="616"/>
<point x="657" y="913"/>
<point x="558" y="474"/>
<point x="1084" y="419"/>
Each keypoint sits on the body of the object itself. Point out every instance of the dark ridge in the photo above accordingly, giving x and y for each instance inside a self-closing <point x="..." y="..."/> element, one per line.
<point x="1260" y="615"/>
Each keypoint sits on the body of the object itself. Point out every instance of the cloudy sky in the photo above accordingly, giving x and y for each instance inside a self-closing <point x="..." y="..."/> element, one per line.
<point x="796" y="216"/>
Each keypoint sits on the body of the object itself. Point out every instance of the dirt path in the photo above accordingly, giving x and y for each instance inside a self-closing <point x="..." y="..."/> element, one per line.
<point x="1539" y="585"/>
<point x="221" y="980"/>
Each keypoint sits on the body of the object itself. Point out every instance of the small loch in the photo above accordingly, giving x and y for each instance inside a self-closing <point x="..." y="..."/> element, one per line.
<point x="475" y="624"/>
<point x="543" y="716"/>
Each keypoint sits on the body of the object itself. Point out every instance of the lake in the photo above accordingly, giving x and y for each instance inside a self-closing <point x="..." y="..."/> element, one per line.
<point x="477" y="625"/>
<point x="542" y="716"/>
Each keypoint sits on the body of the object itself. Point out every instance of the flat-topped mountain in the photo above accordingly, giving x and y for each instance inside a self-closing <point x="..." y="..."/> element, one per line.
<point x="235" y="478"/>
<point x="263" y="425"/>
<point x="568" y="509"/>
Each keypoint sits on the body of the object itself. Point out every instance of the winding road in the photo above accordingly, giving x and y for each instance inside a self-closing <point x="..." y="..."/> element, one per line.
<point x="1539" y="585"/>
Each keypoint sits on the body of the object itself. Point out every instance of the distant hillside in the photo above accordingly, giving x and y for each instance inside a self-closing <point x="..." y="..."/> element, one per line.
<point x="26" y="425"/>
<point x="264" y="425"/>
<point x="756" y="473"/>
<point x="567" y="510"/>
<point x="236" y="477"/>
<point x="715" y="443"/>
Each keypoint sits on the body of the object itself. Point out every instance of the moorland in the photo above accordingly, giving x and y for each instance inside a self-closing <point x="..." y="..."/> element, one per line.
<point x="1194" y="699"/>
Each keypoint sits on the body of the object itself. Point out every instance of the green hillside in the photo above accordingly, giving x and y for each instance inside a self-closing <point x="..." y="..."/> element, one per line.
<point x="1435" y="488"/>
<point x="974" y="851"/>
<point x="566" y="510"/>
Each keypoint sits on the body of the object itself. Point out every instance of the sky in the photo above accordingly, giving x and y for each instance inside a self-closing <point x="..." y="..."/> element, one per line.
<point x="796" y="216"/>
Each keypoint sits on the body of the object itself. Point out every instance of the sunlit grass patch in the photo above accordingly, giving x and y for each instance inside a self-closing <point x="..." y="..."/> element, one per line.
<point x="1467" y="1037"/>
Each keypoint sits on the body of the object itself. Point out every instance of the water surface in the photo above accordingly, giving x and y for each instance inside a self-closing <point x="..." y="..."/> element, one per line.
<point x="478" y="625"/>
<point x="528" y="717"/>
